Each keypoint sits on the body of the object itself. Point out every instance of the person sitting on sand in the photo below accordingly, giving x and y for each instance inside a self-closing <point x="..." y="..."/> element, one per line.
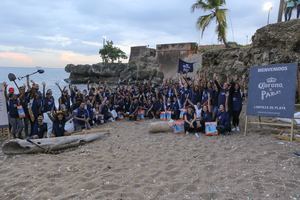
<point x="175" y="108"/>
<point x="206" y="114"/>
<point x="157" y="106"/>
<point x="90" y="109"/>
<point x="223" y="118"/>
<point x="190" y="125"/>
<point x="133" y="111"/>
<point x="197" y="108"/>
<point x="148" y="109"/>
<point x="98" y="118"/>
<point x="39" y="128"/>
<point x="59" y="121"/>
<point x="81" y="117"/>
<point x="105" y="110"/>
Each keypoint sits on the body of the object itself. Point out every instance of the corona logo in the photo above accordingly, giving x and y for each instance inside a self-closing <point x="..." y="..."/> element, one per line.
<point x="271" y="80"/>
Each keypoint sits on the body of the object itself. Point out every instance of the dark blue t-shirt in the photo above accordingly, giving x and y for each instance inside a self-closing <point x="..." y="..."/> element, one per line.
<point x="237" y="101"/>
<point x="223" y="118"/>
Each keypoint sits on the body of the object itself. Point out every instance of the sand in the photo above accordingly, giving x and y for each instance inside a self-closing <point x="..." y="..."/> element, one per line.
<point x="133" y="164"/>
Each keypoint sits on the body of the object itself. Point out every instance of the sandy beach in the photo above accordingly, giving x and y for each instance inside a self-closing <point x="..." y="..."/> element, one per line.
<point x="133" y="164"/>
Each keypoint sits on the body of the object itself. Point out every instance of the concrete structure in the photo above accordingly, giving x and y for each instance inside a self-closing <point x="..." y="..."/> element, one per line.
<point x="165" y="57"/>
<point x="168" y="55"/>
<point x="141" y="51"/>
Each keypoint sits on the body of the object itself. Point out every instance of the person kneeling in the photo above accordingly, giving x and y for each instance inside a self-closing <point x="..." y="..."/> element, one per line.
<point x="81" y="117"/>
<point x="59" y="121"/>
<point x="39" y="128"/>
<point x="223" y="118"/>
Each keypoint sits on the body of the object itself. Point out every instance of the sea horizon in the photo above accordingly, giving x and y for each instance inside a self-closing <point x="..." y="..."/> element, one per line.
<point x="32" y="67"/>
<point x="51" y="76"/>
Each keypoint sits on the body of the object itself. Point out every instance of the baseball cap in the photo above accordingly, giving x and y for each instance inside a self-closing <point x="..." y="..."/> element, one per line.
<point x="11" y="90"/>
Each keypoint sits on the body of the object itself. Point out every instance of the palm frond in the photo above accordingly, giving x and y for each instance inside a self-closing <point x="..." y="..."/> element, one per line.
<point x="216" y="3"/>
<point x="201" y="4"/>
<point x="221" y="24"/>
<point x="204" y="21"/>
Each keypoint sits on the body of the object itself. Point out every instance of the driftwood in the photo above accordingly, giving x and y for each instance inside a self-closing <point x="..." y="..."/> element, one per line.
<point x="160" y="127"/>
<point x="85" y="131"/>
<point x="285" y="136"/>
<point x="48" y="145"/>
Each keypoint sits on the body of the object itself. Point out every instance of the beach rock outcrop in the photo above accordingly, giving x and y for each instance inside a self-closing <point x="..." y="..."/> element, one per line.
<point x="275" y="43"/>
<point x="142" y="66"/>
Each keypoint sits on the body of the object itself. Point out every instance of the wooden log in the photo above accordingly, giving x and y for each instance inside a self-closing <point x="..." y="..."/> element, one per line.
<point x="93" y="130"/>
<point x="48" y="145"/>
<point x="160" y="127"/>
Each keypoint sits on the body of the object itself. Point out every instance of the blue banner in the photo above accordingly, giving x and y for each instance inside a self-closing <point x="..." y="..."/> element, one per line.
<point x="272" y="90"/>
<point x="185" y="67"/>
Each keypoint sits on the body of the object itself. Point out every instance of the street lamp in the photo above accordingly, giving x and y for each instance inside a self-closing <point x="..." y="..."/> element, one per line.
<point x="268" y="7"/>
<point x="104" y="40"/>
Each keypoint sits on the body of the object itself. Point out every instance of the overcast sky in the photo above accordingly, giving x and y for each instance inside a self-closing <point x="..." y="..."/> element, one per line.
<point x="54" y="33"/>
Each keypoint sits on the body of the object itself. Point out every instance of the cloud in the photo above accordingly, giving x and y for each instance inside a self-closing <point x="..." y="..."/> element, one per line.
<point x="45" y="29"/>
<point x="91" y="43"/>
<point x="15" y="58"/>
<point x="56" y="40"/>
<point x="71" y="57"/>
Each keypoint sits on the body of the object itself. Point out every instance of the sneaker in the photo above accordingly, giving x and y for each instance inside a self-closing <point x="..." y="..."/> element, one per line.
<point x="297" y="153"/>
<point x="238" y="129"/>
<point x="187" y="133"/>
<point x="233" y="129"/>
<point x="197" y="135"/>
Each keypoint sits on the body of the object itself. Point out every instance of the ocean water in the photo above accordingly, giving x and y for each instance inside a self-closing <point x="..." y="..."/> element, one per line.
<point x="50" y="77"/>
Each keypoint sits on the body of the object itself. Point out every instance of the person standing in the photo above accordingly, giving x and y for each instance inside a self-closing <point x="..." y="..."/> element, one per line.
<point x="23" y="97"/>
<point x="223" y="117"/>
<point x="15" y="120"/>
<point x="236" y="98"/>
<point x="290" y="4"/>
<point x="298" y="9"/>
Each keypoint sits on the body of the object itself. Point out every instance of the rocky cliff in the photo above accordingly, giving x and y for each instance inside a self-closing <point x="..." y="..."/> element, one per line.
<point x="142" y="66"/>
<point x="275" y="43"/>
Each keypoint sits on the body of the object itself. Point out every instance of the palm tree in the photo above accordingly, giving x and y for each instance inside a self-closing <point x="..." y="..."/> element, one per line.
<point x="217" y="13"/>
<point x="280" y="12"/>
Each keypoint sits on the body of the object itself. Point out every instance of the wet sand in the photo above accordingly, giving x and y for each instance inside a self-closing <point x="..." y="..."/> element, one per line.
<point x="133" y="164"/>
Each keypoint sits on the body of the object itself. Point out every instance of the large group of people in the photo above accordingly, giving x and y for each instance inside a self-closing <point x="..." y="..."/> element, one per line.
<point x="194" y="100"/>
<point x="290" y="5"/>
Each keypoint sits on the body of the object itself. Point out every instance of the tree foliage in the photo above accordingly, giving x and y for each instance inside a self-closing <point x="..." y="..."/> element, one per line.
<point x="110" y="53"/>
<point x="216" y="12"/>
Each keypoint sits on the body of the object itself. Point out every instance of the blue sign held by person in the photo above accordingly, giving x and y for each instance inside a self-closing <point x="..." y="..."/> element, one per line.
<point x="272" y="90"/>
<point x="185" y="67"/>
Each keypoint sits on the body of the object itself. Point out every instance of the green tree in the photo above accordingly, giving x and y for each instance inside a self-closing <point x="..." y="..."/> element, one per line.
<point x="110" y="53"/>
<point x="217" y="13"/>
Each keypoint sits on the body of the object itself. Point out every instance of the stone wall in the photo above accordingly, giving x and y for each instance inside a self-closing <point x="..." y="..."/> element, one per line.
<point x="139" y="51"/>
